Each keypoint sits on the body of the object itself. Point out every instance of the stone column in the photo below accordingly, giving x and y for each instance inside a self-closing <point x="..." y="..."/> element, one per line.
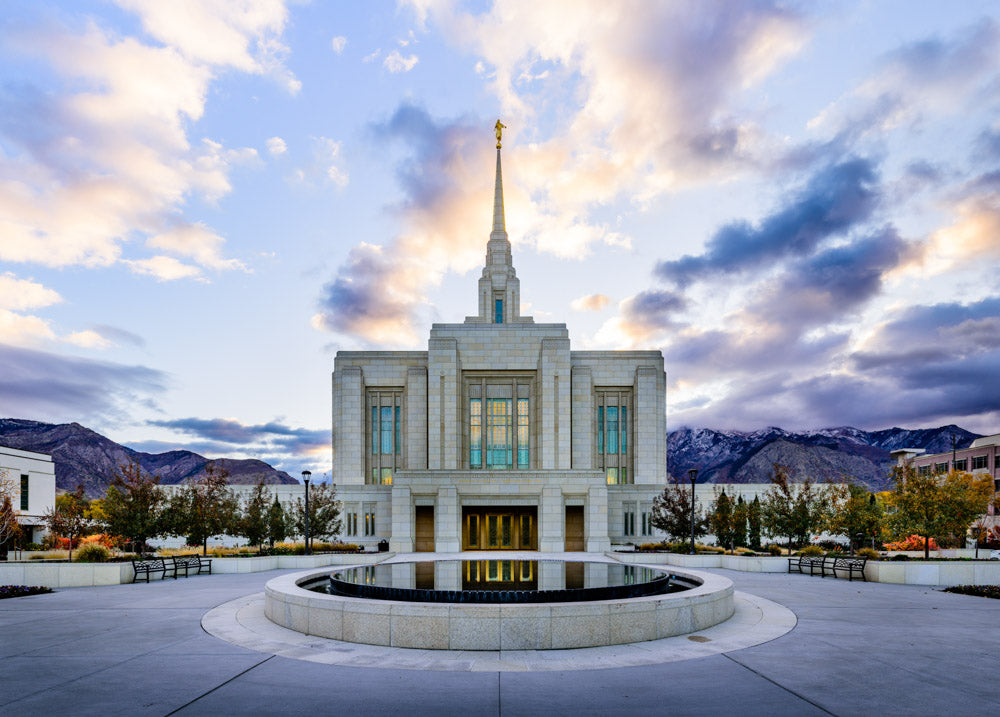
<point x="348" y="426"/>
<point x="416" y="418"/>
<point x="402" y="520"/>
<point x="447" y="521"/>
<point x="551" y="521"/>
<point x="443" y="424"/>
<point x="595" y="525"/>
<point x="583" y="417"/>
<point x="650" y="440"/>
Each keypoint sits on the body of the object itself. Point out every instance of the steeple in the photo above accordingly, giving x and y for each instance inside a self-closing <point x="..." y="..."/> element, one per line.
<point x="499" y="287"/>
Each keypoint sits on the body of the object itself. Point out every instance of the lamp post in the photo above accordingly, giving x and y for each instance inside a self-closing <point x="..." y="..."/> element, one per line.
<point x="693" y="475"/>
<point x="305" y="479"/>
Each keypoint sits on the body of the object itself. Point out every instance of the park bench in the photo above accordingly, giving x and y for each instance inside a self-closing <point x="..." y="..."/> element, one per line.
<point x="189" y="563"/>
<point x="147" y="566"/>
<point x="854" y="565"/>
<point x="806" y="564"/>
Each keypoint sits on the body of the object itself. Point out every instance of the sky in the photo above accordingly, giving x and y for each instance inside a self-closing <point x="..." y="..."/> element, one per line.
<point x="202" y="202"/>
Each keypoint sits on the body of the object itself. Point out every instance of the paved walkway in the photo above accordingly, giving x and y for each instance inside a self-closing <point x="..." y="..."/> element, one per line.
<point x="857" y="649"/>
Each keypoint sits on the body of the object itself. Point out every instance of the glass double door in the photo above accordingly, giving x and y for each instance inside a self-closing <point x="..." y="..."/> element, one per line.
<point x="499" y="529"/>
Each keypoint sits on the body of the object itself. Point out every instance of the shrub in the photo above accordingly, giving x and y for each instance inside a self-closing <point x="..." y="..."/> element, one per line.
<point x="13" y="591"/>
<point x="912" y="542"/>
<point x="33" y="546"/>
<point x="900" y="556"/>
<point x="869" y="553"/>
<point x="715" y="549"/>
<point x="811" y="551"/>
<point x="988" y="591"/>
<point x="93" y="553"/>
<point x="774" y="549"/>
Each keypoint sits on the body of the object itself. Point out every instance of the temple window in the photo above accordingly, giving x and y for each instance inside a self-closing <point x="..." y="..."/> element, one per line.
<point x="499" y="422"/>
<point x="384" y="435"/>
<point x="613" y="421"/>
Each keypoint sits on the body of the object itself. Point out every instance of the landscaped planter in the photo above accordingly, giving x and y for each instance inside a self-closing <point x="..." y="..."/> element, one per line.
<point x="933" y="572"/>
<point x="54" y="574"/>
<point x="64" y="575"/>
<point x="744" y="563"/>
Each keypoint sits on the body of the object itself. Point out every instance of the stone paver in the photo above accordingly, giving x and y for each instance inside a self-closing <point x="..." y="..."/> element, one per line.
<point x="856" y="649"/>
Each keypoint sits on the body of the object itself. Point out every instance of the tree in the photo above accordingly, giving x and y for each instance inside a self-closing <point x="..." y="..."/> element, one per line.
<point x="277" y="523"/>
<point x="256" y="511"/>
<point x="69" y="517"/>
<point x="740" y="514"/>
<point x="753" y="524"/>
<point x="324" y="513"/>
<point x="720" y="518"/>
<point x="204" y="509"/>
<point x="855" y="512"/>
<point x="793" y="510"/>
<point x="132" y="508"/>
<point x="936" y="506"/>
<point x="672" y="513"/>
<point x="9" y="527"/>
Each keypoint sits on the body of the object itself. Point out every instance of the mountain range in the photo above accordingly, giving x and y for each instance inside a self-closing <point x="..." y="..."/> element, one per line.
<point x="830" y="453"/>
<point x="85" y="457"/>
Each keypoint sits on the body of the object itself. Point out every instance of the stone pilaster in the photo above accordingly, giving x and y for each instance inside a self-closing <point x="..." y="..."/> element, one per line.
<point x="443" y="421"/>
<point x="583" y="418"/>
<point x="596" y="520"/>
<point x="447" y="521"/>
<point x="650" y="444"/>
<point x="416" y="418"/>
<point x="551" y="520"/>
<point x="402" y="520"/>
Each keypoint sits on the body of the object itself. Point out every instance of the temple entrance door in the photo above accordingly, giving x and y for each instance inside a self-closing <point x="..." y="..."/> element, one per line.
<point x="503" y="528"/>
<point x="424" y="529"/>
<point x="574" y="528"/>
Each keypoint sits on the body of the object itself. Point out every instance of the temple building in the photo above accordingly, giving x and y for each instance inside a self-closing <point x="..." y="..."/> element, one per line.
<point x="498" y="436"/>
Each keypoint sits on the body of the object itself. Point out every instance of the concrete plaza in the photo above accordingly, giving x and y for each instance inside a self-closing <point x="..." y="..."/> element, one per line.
<point x="857" y="648"/>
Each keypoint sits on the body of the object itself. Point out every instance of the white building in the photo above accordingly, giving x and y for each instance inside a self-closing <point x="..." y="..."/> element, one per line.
<point x="32" y="477"/>
<point x="498" y="436"/>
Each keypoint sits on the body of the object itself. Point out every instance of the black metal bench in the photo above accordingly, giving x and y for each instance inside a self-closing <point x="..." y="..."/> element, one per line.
<point x="147" y="566"/>
<point x="189" y="563"/>
<point x="853" y="565"/>
<point x="806" y="564"/>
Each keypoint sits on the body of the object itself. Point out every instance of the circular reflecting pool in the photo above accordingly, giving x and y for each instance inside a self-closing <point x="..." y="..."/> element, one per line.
<point x="500" y="581"/>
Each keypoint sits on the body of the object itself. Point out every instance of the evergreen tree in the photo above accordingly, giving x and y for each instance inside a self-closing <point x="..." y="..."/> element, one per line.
<point x="753" y="524"/>
<point x="740" y="511"/>
<point x="721" y="520"/>
<point x="277" y="523"/>
<point x="256" y="513"/>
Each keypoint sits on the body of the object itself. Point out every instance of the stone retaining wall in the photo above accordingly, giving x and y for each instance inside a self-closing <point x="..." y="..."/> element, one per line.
<point x="72" y="575"/>
<point x="522" y="626"/>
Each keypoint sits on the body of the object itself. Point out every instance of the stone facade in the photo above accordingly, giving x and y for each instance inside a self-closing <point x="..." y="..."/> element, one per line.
<point x="32" y="479"/>
<point x="499" y="417"/>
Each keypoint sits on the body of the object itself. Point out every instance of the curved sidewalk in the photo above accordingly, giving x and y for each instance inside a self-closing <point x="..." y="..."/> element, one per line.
<point x="857" y="648"/>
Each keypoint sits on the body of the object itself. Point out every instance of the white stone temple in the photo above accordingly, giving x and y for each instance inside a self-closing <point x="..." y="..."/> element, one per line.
<point x="498" y="436"/>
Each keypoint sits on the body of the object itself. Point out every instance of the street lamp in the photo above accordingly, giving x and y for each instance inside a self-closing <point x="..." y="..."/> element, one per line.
<point x="305" y="479"/>
<point x="693" y="475"/>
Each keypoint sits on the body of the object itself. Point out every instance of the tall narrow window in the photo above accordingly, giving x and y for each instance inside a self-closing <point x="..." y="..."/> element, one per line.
<point x="385" y="434"/>
<point x="475" y="433"/>
<point x="614" y="454"/>
<point x="24" y="492"/>
<point x="499" y="422"/>
<point x="498" y="318"/>
<point x="522" y="433"/>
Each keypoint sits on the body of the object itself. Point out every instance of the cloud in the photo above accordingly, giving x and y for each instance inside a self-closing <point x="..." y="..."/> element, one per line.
<point x="103" y="154"/>
<point x="87" y="339"/>
<point x="395" y="63"/>
<point x="276" y="146"/>
<point x="338" y="44"/>
<point x="590" y="302"/>
<point x="834" y="200"/>
<point x="20" y="294"/>
<point x="48" y="387"/>
<point x="163" y="268"/>
<point x="196" y="242"/>
<point x="272" y="436"/>
<point x="119" y="336"/>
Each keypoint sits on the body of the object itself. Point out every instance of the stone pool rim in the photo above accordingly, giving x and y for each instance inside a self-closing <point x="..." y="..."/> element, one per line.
<point x="497" y="626"/>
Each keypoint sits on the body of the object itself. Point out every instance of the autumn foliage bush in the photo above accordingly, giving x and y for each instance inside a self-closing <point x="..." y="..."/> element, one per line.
<point x="912" y="542"/>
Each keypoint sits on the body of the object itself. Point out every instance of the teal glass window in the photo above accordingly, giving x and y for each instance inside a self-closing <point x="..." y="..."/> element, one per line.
<point x="475" y="433"/>
<point x="498" y="318"/>
<point x="522" y="433"/>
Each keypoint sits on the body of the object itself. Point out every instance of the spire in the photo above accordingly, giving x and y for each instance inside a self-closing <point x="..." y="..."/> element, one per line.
<point x="498" y="219"/>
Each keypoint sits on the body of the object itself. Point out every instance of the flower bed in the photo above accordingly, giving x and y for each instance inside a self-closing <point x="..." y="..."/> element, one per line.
<point x="13" y="591"/>
<point x="987" y="591"/>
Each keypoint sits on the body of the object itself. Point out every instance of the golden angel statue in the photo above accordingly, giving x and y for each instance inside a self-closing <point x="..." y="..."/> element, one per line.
<point x="499" y="128"/>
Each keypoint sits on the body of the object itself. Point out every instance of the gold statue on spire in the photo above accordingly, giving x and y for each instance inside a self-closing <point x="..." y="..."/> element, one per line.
<point x="499" y="128"/>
